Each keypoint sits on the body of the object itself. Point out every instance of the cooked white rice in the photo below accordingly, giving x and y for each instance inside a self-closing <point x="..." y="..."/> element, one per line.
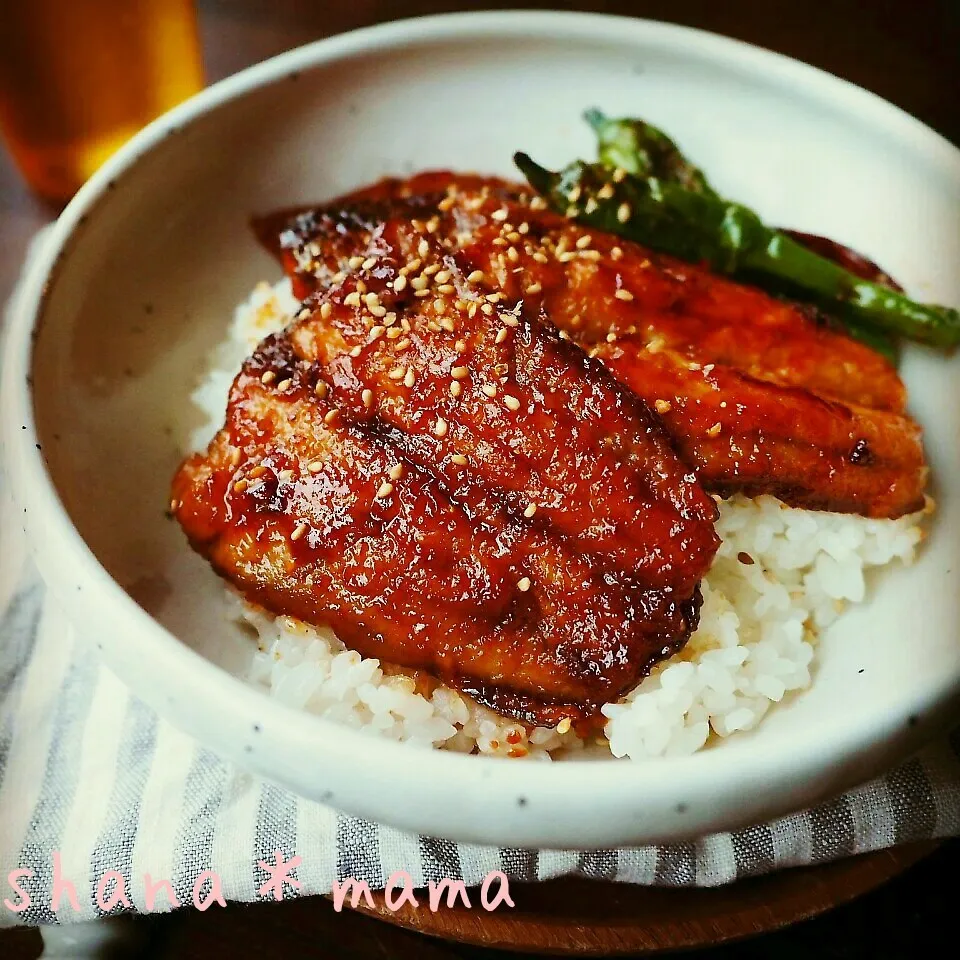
<point x="754" y="647"/>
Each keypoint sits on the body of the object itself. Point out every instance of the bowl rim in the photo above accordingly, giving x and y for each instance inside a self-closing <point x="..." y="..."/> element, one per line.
<point x="84" y="587"/>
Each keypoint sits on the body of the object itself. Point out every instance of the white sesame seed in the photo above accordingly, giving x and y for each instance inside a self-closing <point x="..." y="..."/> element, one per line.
<point x="476" y="276"/>
<point x="394" y="332"/>
<point x="316" y="466"/>
<point x="356" y="351"/>
<point x="714" y="430"/>
<point x="326" y="309"/>
<point x="402" y="344"/>
<point x="438" y="305"/>
<point x="423" y="248"/>
<point x="400" y="283"/>
<point x="371" y="299"/>
<point x="512" y="254"/>
<point x="420" y="283"/>
<point x="489" y="389"/>
<point x="611" y="338"/>
<point x="283" y="384"/>
<point x="524" y="584"/>
<point x="285" y="476"/>
<point x="431" y="270"/>
<point x="460" y="346"/>
<point x="534" y="288"/>
<point x="268" y="377"/>
<point x="331" y="415"/>
<point x="499" y="215"/>
<point x="530" y="511"/>
<point x="540" y="257"/>
<point x="377" y="332"/>
<point x="397" y="373"/>
<point x="384" y="490"/>
<point x="511" y="403"/>
<point x="486" y="308"/>
<point x="389" y="319"/>
<point x="440" y="427"/>
<point x="368" y="263"/>
<point x="566" y="257"/>
<point x="501" y="335"/>
<point x="396" y="471"/>
<point x="367" y="397"/>
<point x="458" y="373"/>
<point x="446" y="288"/>
<point x="605" y="192"/>
<point x="410" y="378"/>
<point x="352" y="299"/>
<point x="442" y="276"/>
<point x="459" y="459"/>
<point x="564" y="726"/>
<point x="321" y="389"/>
<point x="623" y="294"/>
<point x="455" y="389"/>
<point x="663" y="406"/>
<point x="354" y="262"/>
<point x="619" y="174"/>
<point x="447" y="324"/>
<point x="509" y="319"/>
<point x="299" y="531"/>
<point x="623" y="212"/>
<point x="584" y="242"/>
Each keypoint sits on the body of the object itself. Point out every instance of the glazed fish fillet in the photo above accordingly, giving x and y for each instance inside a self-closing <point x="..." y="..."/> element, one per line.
<point x="453" y="488"/>
<point x="758" y="395"/>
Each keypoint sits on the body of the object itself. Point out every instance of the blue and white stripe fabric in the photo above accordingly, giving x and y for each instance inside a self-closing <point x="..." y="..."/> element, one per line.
<point x="89" y="772"/>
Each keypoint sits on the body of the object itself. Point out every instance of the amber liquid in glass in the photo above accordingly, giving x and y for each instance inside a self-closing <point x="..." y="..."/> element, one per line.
<point x="80" y="77"/>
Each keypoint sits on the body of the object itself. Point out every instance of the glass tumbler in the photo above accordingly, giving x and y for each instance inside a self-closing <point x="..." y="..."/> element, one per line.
<point x="80" y="77"/>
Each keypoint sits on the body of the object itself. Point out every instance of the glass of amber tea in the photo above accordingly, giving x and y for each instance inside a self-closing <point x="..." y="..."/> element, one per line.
<point x="80" y="77"/>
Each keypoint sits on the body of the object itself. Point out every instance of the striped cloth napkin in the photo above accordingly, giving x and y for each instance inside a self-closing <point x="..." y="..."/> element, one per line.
<point x="92" y="781"/>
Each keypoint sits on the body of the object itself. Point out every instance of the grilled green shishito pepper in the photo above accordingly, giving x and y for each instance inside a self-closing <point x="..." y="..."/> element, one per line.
<point x="645" y="151"/>
<point x="732" y="239"/>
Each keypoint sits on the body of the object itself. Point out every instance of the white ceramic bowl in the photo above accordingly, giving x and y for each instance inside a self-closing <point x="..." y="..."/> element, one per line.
<point x="148" y="261"/>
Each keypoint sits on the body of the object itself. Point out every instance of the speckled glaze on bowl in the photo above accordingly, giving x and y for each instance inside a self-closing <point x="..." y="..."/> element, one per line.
<point x="145" y="265"/>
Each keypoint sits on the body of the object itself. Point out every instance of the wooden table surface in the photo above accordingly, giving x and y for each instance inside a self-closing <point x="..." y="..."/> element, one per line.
<point x="905" y="51"/>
